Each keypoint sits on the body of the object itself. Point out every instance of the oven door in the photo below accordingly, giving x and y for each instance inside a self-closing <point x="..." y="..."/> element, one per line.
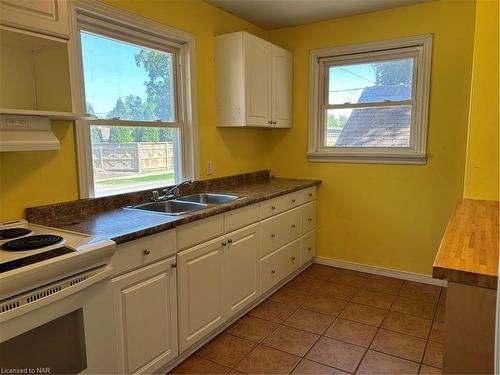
<point x="65" y="327"/>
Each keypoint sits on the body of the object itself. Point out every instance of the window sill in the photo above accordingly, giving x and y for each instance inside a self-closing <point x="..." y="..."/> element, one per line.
<point x="344" y="157"/>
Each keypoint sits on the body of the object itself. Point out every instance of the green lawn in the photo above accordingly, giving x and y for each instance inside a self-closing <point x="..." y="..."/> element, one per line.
<point x="133" y="180"/>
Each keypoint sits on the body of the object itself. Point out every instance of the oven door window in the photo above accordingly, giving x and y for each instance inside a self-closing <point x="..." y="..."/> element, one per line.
<point x="57" y="347"/>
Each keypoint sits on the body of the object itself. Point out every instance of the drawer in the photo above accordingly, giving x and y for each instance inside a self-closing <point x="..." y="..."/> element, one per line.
<point x="308" y="217"/>
<point x="279" y="230"/>
<point x="292" y="200"/>
<point x="271" y="207"/>
<point x="307" y="247"/>
<point x="278" y="265"/>
<point x="308" y="194"/>
<point x="138" y="253"/>
<point x="241" y="217"/>
<point x="199" y="231"/>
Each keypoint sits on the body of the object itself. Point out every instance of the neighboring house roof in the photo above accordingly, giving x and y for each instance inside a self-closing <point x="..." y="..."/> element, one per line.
<point x="378" y="126"/>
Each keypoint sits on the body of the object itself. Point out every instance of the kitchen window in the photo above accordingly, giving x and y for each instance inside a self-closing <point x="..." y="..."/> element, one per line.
<point x="135" y="82"/>
<point x="369" y="102"/>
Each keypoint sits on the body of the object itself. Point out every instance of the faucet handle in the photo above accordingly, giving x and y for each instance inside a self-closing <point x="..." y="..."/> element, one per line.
<point x="155" y="195"/>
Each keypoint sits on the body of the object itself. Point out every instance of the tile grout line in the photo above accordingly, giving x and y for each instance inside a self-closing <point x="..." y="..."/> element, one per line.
<point x="335" y="318"/>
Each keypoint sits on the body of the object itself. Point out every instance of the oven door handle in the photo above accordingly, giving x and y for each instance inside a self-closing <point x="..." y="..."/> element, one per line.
<point x="29" y="301"/>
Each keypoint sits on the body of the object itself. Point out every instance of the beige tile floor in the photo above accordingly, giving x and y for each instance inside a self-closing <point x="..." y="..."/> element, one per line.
<point x="332" y="321"/>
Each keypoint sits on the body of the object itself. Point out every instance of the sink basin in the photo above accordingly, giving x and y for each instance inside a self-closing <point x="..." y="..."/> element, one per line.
<point x="173" y="207"/>
<point x="209" y="198"/>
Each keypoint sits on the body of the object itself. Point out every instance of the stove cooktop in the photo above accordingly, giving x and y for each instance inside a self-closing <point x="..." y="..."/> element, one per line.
<point x="22" y="243"/>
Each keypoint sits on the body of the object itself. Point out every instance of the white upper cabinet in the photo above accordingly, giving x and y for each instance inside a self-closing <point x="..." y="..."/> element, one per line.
<point x="41" y="16"/>
<point x="253" y="82"/>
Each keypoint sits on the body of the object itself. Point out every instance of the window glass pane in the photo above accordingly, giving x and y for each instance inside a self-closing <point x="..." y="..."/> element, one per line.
<point x="368" y="127"/>
<point x="126" y="159"/>
<point x="371" y="82"/>
<point x="127" y="81"/>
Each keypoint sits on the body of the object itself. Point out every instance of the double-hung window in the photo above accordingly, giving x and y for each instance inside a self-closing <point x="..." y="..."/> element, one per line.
<point x="134" y="85"/>
<point x="369" y="102"/>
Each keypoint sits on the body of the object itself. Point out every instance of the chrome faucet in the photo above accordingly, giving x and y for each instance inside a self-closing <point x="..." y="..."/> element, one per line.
<point x="171" y="193"/>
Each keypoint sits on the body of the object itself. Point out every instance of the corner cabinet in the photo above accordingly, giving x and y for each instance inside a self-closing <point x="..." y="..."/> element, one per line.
<point x="253" y="82"/>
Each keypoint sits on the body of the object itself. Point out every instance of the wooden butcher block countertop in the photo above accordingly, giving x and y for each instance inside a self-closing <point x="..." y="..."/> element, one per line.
<point x="469" y="250"/>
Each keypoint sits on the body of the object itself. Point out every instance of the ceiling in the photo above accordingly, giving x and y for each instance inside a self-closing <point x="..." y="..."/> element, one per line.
<point x="273" y="14"/>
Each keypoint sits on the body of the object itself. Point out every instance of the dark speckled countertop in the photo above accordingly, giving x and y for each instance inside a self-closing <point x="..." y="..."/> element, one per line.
<point x="98" y="217"/>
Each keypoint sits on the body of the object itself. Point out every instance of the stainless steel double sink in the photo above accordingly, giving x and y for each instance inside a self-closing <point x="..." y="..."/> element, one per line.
<point x="186" y="204"/>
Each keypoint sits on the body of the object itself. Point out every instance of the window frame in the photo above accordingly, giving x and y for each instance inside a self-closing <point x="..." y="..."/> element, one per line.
<point x="107" y="21"/>
<point x="417" y="47"/>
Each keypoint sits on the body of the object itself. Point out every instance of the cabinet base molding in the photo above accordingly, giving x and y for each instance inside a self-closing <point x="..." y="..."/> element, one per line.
<point x="183" y="356"/>
<point x="410" y="276"/>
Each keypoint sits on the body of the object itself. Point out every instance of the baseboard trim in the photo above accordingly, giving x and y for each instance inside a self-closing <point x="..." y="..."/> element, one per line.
<point x="380" y="271"/>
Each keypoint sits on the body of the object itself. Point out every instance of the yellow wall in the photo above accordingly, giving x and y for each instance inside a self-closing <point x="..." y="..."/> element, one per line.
<point x="387" y="215"/>
<point x="36" y="178"/>
<point x="482" y="172"/>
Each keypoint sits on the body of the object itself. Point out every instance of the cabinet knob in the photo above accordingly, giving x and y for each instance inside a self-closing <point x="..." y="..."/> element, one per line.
<point x="147" y="252"/>
<point x="293" y="225"/>
<point x="309" y="248"/>
<point x="224" y="243"/>
<point x="310" y="194"/>
<point x="293" y="258"/>
<point x="293" y="200"/>
<point x="269" y="122"/>
<point x="273" y="235"/>
<point x="230" y="241"/>
<point x="273" y="207"/>
<point x="273" y="271"/>
<point x="310" y="219"/>
<point x="173" y="265"/>
<point x="275" y="122"/>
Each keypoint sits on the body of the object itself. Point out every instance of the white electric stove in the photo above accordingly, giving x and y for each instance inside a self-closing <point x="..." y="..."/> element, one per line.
<point x="32" y="255"/>
<point x="55" y="283"/>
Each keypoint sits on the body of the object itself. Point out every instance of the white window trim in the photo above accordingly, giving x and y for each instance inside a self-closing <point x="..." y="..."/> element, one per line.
<point x="416" y="153"/>
<point x="148" y="33"/>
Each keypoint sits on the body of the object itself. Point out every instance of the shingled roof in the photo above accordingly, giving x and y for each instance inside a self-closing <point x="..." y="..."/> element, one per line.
<point x="376" y="126"/>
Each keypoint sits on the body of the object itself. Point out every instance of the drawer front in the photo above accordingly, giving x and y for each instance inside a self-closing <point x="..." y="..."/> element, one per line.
<point x="308" y="194"/>
<point x="278" y="265"/>
<point x="292" y="257"/>
<point x="292" y="200"/>
<point x="279" y="230"/>
<point x="307" y="247"/>
<point x="308" y="217"/>
<point x="241" y="217"/>
<point x="270" y="207"/>
<point x="199" y="231"/>
<point x="143" y="251"/>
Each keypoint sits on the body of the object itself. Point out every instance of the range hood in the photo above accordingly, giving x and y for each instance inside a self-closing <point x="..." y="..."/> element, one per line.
<point x="26" y="133"/>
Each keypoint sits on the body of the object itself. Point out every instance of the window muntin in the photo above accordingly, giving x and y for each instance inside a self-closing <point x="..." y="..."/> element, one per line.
<point x="369" y="102"/>
<point x="136" y="141"/>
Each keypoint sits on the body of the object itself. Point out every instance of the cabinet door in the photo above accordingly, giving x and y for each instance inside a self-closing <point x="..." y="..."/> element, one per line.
<point x="241" y="268"/>
<point x="257" y="81"/>
<point x="281" y="87"/>
<point x="201" y="304"/>
<point x="307" y="247"/>
<point x="145" y="304"/>
<point x="44" y="16"/>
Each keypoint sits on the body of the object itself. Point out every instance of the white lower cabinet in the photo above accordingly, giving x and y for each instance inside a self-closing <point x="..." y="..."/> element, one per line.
<point x="216" y="280"/>
<point x="201" y="300"/>
<point x="145" y="303"/>
<point x="241" y="269"/>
